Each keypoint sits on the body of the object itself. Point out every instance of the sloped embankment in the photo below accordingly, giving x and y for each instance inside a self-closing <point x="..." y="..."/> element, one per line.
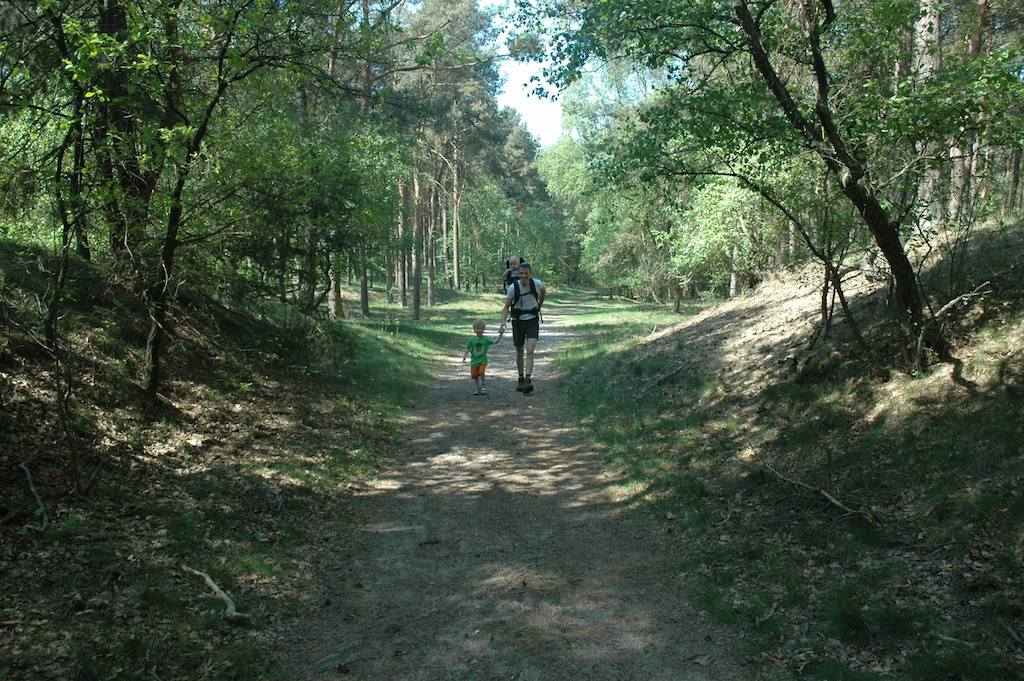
<point x="850" y="521"/>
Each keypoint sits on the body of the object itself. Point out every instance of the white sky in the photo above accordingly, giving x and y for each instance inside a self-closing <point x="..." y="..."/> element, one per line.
<point x="543" y="117"/>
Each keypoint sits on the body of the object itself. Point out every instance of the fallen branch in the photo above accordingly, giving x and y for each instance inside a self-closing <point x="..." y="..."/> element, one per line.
<point x="231" y="614"/>
<point x="663" y="377"/>
<point x="867" y="515"/>
<point x="973" y="294"/>
<point x="40" y="507"/>
<point x="767" y="616"/>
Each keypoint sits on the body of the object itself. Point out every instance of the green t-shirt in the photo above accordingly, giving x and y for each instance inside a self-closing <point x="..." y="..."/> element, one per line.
<point x="478" y="349"/>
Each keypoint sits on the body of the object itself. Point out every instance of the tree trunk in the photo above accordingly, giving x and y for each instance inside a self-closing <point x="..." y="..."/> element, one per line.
<point x="403" y="252"/>
<point x="307" y="285"/>
<point x="335" y="301"/>
<point x="791" y="246"/>
<point x="1013" y="192"/>
<point x="446" y="263"/>
<point x="430" y="241"/>
<point x="734" y="276"/>
<point x="283" y="247"/>
<point x="157" y="294"/>
<point x="364" y="283"/>
<point x="389" y="275"/>
<point x="417" y="242"/>
<point x="456" y="220"/>
<point x="927" y="60"/>
<point x="964" y="153"/>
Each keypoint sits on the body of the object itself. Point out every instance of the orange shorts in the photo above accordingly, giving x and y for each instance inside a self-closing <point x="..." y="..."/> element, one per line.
<point x="477" y="371"/>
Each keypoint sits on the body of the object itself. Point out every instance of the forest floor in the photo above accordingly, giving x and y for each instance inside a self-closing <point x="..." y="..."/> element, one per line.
<point x="495" y="549"/>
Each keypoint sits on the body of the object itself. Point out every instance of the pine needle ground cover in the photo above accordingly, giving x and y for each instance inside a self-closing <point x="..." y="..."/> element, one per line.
<point x="269" y="419"/>
<point x="849" y="523"/>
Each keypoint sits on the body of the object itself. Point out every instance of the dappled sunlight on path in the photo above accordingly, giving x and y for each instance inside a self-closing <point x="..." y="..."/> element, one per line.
<point x="498" y="550"/>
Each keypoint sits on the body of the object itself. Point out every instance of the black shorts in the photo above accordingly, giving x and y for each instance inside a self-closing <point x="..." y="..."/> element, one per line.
<point x="523" y="329"/>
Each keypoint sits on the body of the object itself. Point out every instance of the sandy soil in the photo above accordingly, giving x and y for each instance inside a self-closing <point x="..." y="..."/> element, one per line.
<point x="499" y="549"/>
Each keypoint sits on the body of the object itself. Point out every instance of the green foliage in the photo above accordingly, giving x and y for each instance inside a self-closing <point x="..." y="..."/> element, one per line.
<point x="734" y="142"/>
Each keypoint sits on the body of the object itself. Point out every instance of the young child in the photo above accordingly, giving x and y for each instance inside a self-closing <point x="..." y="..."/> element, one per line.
<point x="476" y="348"/>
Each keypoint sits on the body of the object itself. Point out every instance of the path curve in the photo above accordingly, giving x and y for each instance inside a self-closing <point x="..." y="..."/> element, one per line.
<point x="497" y="549"/>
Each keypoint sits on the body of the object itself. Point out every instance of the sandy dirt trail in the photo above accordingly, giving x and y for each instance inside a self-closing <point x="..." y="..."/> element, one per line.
<point x="498" y="549"/>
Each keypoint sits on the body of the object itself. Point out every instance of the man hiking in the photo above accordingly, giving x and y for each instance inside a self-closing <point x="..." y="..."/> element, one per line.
<point x="523" y="300"/>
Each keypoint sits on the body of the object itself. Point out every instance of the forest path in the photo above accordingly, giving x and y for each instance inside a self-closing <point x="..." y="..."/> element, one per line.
<point x="498" y="548"/>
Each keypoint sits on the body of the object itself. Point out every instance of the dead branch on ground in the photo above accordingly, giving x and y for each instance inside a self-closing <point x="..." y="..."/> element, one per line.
<point x="972" y="294"/>
<point x="40" y="506"/>
<point x="664" y="377"/>
<point x="231" y="614"/>
<point x="864" y="513"/>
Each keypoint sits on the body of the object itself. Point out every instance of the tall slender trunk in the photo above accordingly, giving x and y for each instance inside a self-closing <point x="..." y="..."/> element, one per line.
<point x="59" y="275"/>
<point x="336" y="303"/>
<point x="389" y="274"/>
<point x="401" y="267"/>
<point x="364" y="281"/>
<point x="430" y="241"/>
<point x="417" y="242"/>
<point x="927" y="60"/>
<point x="446" y="263"/>
<point x="157" y="294"/>
<point x="1013" y="192"/>
<point x="965" y="153"/>
<point x="456" y="219"/>
<point x="791" y="245"/>
<point x="77" y="192"/>
<point x="307" y="283"/>
<point x="734" y="275"/>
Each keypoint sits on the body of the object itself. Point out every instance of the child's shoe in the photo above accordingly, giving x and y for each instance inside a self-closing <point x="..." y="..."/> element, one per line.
<point x="483" y="390"/>
<point x="478" y="391"/>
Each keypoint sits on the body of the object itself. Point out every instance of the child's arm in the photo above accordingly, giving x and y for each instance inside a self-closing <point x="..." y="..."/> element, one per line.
<point x="501" y="332"/>
<point x="465" y="354"/>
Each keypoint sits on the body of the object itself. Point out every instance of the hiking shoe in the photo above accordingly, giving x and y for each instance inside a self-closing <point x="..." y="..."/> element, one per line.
<point x="528" y="388"/>
<point x="522" y="384"/>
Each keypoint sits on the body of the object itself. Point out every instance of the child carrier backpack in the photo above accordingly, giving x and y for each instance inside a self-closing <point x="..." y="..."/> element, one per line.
<point x="515" y="312"/>
<point x="509" y="275"/>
